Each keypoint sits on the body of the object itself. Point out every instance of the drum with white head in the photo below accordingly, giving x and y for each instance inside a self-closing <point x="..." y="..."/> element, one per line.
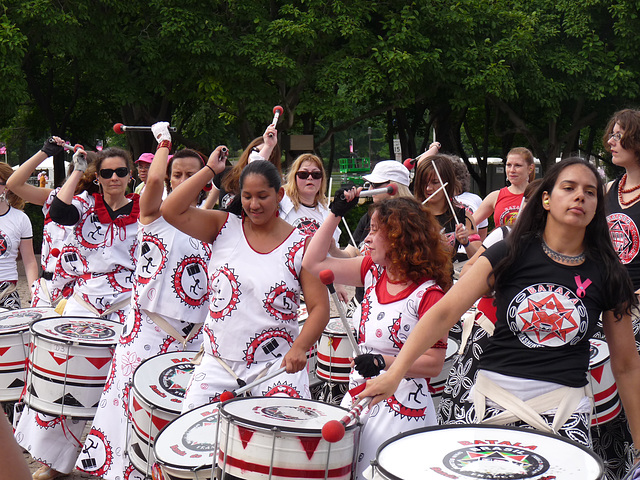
<point x="185" y="449"/>
<point x="158" y="389"/>
<point x="603" y="385"/>
<point x="472" y="452"/>
<point x="14" y="348"/>
<point x="334" y="353"/>
<point x="69" y="364"/>
<point x="280" y="438"/>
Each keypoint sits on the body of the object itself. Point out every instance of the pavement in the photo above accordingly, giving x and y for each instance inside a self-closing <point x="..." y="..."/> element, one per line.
<point x="24" y="291"/>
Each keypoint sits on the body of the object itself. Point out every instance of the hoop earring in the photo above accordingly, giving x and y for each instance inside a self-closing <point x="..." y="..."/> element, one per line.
<point x="96" y="182"/>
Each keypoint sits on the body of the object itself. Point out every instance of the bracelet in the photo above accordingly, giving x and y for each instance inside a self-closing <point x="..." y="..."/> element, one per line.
<point x="465" y="245"/>
<point x="209" y="167"/>
<point x="164" y="143"/>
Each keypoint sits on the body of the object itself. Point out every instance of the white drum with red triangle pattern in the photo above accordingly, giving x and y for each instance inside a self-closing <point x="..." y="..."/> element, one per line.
<point x="334" y="353"/>
<point x="69" y="363"/>
<point x="603" y="385"/>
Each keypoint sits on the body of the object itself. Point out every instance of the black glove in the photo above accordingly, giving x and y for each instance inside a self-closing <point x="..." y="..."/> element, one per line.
<point x="51" y="148"/>
<point x="339" y="207"/>
<point x="369" y="364"/>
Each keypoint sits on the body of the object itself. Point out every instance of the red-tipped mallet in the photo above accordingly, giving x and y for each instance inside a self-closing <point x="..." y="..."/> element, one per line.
<point x="409" y="163"/>
<point x="227" y="395"/>
<point x="327" y="277"/>
<point x="391" y="190"/>
<point x="333" y="430"/>
<point x="120" y="128"/>
<point x="277" y="111"/>
<point x="75" y="148"/>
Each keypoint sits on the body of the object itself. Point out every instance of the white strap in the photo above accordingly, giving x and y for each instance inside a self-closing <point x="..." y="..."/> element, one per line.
<point x="160" y="321"/>
<point x="113" y="308"/>
<point x="565" y="398"/>
<point x="467" y="323"/>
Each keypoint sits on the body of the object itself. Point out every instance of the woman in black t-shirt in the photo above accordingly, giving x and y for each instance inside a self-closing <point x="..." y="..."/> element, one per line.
<point x="552" y="277"/>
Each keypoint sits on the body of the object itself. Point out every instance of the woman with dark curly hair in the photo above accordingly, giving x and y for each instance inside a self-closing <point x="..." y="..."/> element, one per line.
<point x="407" y="272"/>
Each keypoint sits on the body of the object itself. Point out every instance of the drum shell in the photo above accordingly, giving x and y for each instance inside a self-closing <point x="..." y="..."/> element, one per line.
<point x="250" y="451"/>
<point x="334" y="353"/>
<point x="14" y="348"/>
<point x="184" y="449"/>
<point x="606" y="400"/>
<point x="72" y="372"/>
<point x="152" y="406"/>
<point x="453" y="449"/>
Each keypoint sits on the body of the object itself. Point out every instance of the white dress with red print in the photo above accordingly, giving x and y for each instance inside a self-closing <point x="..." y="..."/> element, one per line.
<point x="171" y="283"/>
<point x="306" y="219"/>
<point x="253" y="319"/>
<point x="385" y="324"/>
<point x="103" y="257"/>
<point x="48" y="291"/>
<point x="101" y="254"/>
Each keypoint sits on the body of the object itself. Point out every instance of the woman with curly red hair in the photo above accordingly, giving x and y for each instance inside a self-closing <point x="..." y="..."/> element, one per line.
<point x="406" y="272"/>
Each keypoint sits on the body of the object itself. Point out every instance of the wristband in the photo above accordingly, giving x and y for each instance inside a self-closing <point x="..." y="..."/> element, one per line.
<point x="209" y="167"/>
<point x="465" y="245"/>
<point x="164" y="143"/>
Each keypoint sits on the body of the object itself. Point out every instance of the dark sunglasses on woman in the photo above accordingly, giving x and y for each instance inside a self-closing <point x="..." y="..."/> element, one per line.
<point x="107" y="173"/>
<point x="303" y="174"/>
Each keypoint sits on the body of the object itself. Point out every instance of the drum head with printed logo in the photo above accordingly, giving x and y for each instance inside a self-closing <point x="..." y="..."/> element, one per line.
<point x="598" y="353"/>
<point x="188" y="442"/>
<point x="87" y="331"/>
<point x="484" y="452"/>
<point x="287" y="414"/>
<point x="19" y="320"/>
<point x="335" y="328"/>
<point x="163" y="379"/>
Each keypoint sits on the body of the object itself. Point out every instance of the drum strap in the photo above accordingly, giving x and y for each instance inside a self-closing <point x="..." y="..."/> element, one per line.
<point x="8" y="290"/>
<point x="240" y="381"/>
<point x="113" y="308"/>
<point x="566" y="399"/>
<point x="467" y="324"/>
<point x="169" y="330"/>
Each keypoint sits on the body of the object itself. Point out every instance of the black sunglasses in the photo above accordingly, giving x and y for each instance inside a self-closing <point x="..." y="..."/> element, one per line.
<point x="303" y="174"/>
<point x="107" y="173"/>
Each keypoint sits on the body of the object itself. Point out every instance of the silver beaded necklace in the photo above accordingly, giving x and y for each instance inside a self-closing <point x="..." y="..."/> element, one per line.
<point x="561" y="257"/>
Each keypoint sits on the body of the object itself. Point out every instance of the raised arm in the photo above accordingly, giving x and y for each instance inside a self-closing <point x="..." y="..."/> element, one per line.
<point x="196" y="222"/>
<point x="270" y="140"/>
<point x="151" y="198"/>
<point x="434" y="324"/>
<point x="66" y="192"/>
<point x="17" y="182"/>
<point x="316" y="259"/>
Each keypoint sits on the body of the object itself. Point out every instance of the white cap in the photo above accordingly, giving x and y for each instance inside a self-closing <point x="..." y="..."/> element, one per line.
<point x="389" y="170"/>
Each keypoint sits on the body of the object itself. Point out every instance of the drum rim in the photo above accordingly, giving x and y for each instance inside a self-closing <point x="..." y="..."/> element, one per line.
<point x="604" y="361"/>
<point x="84" y="343"/>
<point x="181" y="417"/>
<point x="135" y="389"/>
<point x="265" y="426"/>
<point x="27" y="322"/>
<point x="391" y="476"/>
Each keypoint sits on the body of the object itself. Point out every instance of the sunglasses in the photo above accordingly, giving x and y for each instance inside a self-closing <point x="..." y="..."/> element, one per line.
<point x="107" y="173"/>
<point x="303" y="175"/>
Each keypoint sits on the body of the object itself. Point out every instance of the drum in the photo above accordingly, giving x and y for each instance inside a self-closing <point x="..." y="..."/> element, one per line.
<point x="280" y="438"/>
<point x="483" y="452"/>
<point x="69" y="363"/>
<point x="437" y="383"/>
<point x="334" y="352"/>
<point x="14" y="348"/>
<point x="603" y="385"/>
<point x="184" y="449"/>
<point x="158" y="388"/>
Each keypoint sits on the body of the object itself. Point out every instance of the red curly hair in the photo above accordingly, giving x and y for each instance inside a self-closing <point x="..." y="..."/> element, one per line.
<point x="416" y="250"/>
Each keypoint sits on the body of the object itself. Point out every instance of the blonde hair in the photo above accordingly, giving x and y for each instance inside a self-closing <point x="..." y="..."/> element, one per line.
<point x="291" y="188"/>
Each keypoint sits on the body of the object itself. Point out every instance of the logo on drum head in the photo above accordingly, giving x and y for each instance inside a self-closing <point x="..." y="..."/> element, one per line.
<point x="176" y="378"/>
<point x="200" y="436"/>
<point x="85" y="331"/>
<point x="293" y="413"/>
<point x="498" y="462"/>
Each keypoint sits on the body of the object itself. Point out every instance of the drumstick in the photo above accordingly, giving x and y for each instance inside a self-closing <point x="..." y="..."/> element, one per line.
<point x="353" y="242"/>
<point x="277" y="111"/>
<point x="432" y="195"/>
<point x="333" y="430"/>
<point x="327" y="277"/>
<point x="226" y="395"/>
<point x="447" y="196"/>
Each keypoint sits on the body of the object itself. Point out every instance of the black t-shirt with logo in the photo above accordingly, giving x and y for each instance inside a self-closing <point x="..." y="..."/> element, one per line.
<point x="546" y="314"/>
